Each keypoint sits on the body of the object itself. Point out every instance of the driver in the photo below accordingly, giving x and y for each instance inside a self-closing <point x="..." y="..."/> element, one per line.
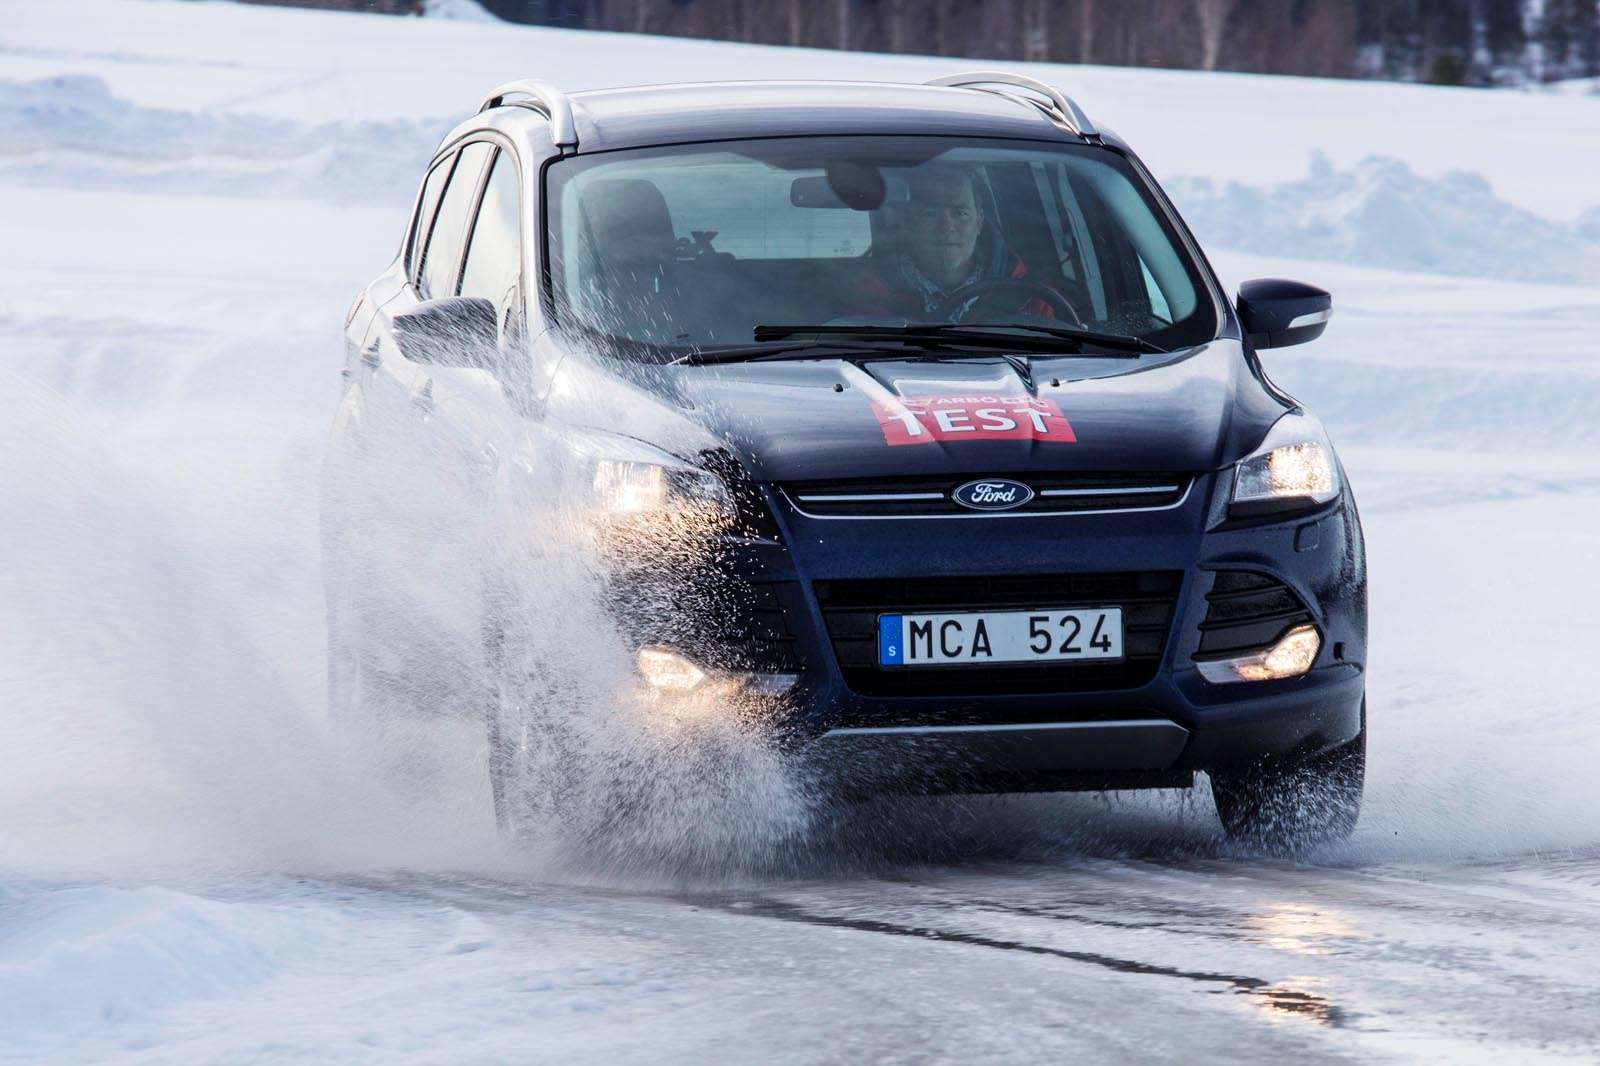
<point x="946" y="244"/>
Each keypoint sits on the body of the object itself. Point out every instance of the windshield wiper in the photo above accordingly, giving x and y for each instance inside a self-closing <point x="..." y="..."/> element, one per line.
<point x="754" y="353"/>
<point x="1031" y="338"/>
<point x="1087" y="336"/>
<point x="902" y="340"/>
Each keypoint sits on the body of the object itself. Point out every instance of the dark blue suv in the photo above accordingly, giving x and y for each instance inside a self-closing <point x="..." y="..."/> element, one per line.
<point x="911" y="412"/>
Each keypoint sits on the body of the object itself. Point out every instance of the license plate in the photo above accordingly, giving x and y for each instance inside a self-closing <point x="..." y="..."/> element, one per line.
<point x="1045" y="636"/>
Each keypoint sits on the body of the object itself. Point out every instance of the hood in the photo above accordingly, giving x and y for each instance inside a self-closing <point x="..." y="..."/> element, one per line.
<point x="824" y="419"/>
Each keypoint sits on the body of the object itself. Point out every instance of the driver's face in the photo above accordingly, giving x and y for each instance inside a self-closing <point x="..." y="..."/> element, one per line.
<point x="944" y="225"/>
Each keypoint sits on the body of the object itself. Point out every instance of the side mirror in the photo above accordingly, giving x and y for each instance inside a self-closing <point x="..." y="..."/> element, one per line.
<point x="456" y="331"/>
<point x="1277" y="313"/>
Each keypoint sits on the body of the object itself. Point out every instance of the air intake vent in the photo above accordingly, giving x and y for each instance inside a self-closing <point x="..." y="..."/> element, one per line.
<point x="910" y="497"/>
<point x="1246" y="612"/>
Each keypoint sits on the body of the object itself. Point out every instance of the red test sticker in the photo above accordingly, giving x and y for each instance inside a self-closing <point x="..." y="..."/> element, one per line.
<point x="926" y="419"/>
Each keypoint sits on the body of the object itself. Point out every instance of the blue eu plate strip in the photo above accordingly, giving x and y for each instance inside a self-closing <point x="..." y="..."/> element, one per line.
<point x="890" y="652"/>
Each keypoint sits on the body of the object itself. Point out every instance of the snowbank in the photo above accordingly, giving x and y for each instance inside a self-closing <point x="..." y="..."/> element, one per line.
<point x="459" y="10"/>
<point x="72" y="132"/>
<point x="1382" y="213"/>
<point x="79" y="958"/>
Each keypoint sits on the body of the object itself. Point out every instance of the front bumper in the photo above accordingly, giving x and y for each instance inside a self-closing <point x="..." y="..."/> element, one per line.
<point x="1147" y="730"/>
<point x="1152" y="750"/>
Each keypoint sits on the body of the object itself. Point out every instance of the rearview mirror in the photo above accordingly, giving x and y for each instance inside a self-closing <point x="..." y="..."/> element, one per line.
<point x="1277" y="313"/>
<point x="458" y="331"/>
<point x="846" y="184"/>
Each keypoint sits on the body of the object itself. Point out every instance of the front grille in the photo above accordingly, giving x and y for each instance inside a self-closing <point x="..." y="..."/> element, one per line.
<point x="930" y="495"/>
<point x="851" y="609"/>
<point x="1247" y="612"/>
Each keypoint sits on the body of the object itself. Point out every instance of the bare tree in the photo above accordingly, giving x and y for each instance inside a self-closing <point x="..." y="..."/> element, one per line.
<point x="797" y="21"/>
<point x="1036" y="45"/>
<point x="897" y="26"/>
<point x="1086" y="16"/>
<point x="1213" y="15"/>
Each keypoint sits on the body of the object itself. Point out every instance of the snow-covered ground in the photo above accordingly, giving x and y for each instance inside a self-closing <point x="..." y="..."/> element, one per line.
<point x="195" y="867"/>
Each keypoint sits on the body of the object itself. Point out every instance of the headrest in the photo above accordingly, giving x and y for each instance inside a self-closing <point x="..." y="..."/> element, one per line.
<point x="629" y="221"/>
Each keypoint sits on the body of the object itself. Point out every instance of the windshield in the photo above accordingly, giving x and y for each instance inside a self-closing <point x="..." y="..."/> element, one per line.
<point x="694" y="246"/>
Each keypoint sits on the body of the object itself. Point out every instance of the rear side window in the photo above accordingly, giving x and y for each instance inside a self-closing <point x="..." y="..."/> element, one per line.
<point x="429" y="203"/>
<point x="494" y="252"/>
<point x="442" y="255"/>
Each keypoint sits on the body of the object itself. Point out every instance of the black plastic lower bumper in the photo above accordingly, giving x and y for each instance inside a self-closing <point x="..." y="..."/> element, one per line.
<point x="1147" y="750"/>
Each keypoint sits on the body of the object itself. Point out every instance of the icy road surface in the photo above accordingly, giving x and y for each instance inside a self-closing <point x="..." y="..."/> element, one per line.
<point x="1128" y="960"/>
<point x="193" y="868"/>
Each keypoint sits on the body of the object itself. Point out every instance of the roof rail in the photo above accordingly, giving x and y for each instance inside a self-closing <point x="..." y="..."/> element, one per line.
<point x="546" y="99"/>
<point x="1061" y="109"/>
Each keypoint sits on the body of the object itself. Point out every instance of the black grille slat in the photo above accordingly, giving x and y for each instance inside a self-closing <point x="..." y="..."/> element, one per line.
<point x="1242" y="638"/>
<point x="1247" y="612"/>
<point x="851" y="609"/>
<point x="984" y="592"/>
<point x="1235" y="581"/>
<point x="1109" y="491"/>
<point x="1236" y="609"/>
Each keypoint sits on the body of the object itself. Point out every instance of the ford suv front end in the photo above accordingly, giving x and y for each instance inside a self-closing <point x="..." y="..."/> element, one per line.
<point x="989" y="484"/>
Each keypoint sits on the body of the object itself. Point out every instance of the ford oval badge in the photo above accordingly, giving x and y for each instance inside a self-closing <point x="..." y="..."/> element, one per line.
<point x="992" y="494"/>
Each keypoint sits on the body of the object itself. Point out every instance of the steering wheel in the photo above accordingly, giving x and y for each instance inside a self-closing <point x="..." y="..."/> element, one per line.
<point x="960" y="305"/>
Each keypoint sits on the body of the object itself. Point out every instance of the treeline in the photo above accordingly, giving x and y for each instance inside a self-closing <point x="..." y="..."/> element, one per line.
<point x="1456" y="42"/>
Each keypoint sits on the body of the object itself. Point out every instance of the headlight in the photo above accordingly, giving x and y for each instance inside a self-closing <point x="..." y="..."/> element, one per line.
<point x="1291" y="655"/>
<point x="631" y="487"/>
<point x="1293" y="469"/>
<point x="631" y="479"/>
<point x="665" y="669"/>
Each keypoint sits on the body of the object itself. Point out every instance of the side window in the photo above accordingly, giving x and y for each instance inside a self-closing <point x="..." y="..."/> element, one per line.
<point x="442" y="256"/>
<point x="1158" y="299"/>
<point x="428" y="204"/>
<point x="494" y="251"/>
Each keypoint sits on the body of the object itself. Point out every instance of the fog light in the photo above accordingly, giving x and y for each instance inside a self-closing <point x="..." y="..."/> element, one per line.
<point x="669" y="671"/>
<point x="1291" y="656"/>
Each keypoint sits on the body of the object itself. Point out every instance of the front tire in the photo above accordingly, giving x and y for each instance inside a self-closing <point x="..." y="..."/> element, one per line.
<point x="511" y="762"/>
<point x="1294" y="804"/>
<point x="529" y="749"/>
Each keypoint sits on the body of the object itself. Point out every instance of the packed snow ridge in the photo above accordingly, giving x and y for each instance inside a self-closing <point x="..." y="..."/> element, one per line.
<point x="72" y="132"/>
<point x="1382" y="213"/>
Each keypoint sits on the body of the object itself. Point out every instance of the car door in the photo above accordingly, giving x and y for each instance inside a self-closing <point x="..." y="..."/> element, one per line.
<point x="404" y="474"/>
<point x="470" y="418"/>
